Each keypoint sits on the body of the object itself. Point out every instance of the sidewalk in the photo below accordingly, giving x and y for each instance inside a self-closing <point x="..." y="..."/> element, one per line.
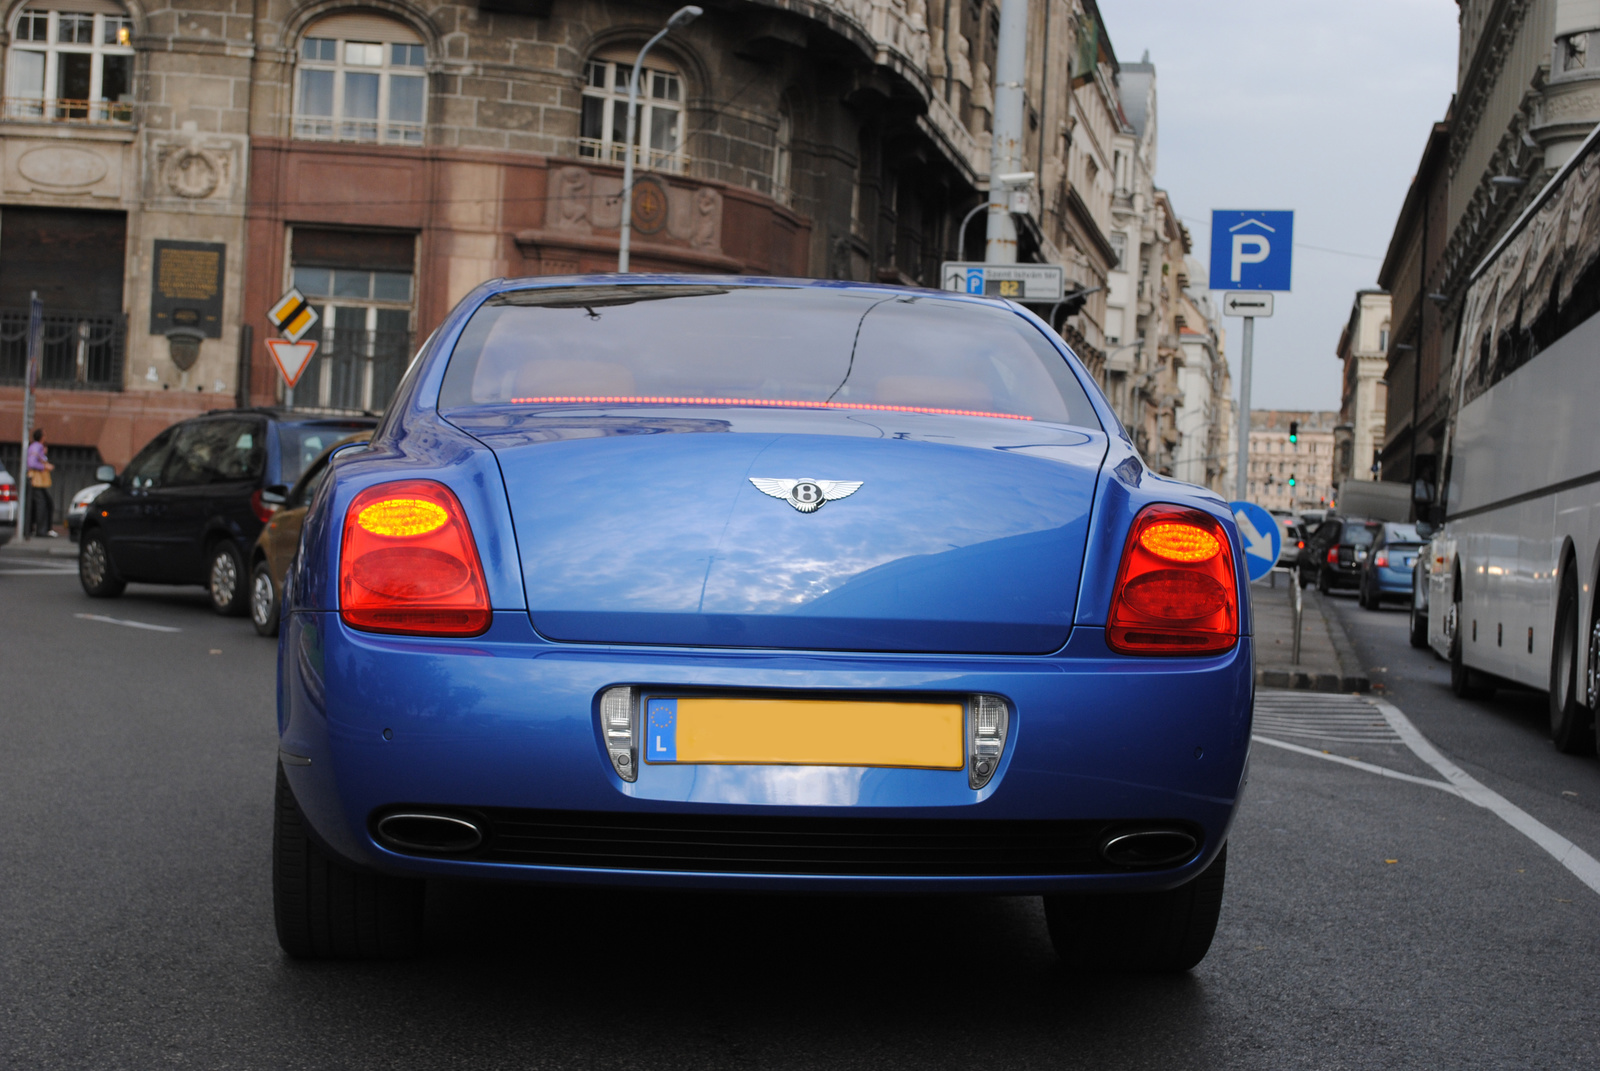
<point x="1328" y="660"/>
<point x="45" y="547"/>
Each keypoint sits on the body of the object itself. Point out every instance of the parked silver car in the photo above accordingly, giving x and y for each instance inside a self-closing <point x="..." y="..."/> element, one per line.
<point x="8" y="506"/>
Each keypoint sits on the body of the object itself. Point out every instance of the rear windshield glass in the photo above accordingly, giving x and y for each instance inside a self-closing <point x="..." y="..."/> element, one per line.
<point x="762" y="346"/>
<point x="1401" y="533"/>
<point x="300" y="444"/>
<point x="1360" y="535"/>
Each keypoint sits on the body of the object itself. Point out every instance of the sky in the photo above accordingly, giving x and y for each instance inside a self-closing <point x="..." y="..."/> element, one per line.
<point x="1317" y="107"/>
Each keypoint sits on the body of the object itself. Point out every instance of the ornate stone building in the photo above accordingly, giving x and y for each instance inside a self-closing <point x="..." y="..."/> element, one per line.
<point x="169" y="168"/>
<point x="1290" y="476"/>
<point x="1363" y="350"/>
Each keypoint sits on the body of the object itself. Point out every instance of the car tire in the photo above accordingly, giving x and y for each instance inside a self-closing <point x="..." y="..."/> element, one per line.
<point x="95" y="571"/>
<point x="1419" y="624"/>
<point x="327" y="909"/>
<point x="263" y="600"/>
<point x="1465" y="683"/>
<point x="1148" y="933"/>
<point x="226" y="580"/>
<point x="1571" y="721"/>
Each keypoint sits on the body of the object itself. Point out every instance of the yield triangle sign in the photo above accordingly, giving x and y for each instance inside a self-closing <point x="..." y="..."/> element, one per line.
<point x="291" y="358"/>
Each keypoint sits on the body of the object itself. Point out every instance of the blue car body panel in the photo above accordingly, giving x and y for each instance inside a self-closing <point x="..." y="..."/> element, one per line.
<point x="509" y="719"/>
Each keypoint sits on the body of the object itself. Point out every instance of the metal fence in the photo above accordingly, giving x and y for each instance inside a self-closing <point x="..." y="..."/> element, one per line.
<point x="355" y="369"/>
<point x="81" y="351"/>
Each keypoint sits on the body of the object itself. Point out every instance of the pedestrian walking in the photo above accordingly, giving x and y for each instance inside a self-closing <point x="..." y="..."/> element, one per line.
<point x="39" y="505"/>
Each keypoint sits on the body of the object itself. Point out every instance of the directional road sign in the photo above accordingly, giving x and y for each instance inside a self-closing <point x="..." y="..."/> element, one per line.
<point x="1247" y="303"/>
<point x="1251" y="250"/>
<point x="292" y="315"/>
<point x="292" y="358"/>
<point x="1263" y="538"/>
<point x="1020" y="282"/>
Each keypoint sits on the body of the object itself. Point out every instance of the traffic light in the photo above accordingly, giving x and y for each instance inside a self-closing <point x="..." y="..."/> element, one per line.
<point x="1294" y="432"/>
<point x="1291" y="479"/>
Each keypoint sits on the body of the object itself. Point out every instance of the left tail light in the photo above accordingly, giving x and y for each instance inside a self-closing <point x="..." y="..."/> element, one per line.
<point x="262" y="510"/>
<point x="1381" y="561"/>
<point x="1175" y="591"/>
<point x="408" y="563"/>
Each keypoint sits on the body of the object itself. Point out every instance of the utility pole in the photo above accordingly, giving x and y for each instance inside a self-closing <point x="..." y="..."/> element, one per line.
<point x="681" y="17"/>
<point x="30" y="379"/>
<point x="1243" y="483"/>
<point x="1005" y="156"/>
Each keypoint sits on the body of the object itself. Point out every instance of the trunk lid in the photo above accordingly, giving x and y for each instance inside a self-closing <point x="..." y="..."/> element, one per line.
<point x="644" y="527"/>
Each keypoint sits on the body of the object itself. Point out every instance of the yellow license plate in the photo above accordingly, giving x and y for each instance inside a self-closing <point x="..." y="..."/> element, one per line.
<point x="803" y="732"/>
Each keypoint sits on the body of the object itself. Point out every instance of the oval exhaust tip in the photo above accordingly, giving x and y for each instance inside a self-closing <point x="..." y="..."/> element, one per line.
<point x="413" y="832"/>
<point x="1150" y="848"/>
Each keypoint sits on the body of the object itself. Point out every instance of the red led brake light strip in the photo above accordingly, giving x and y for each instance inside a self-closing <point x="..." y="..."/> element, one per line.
<point x="768" y="403"/>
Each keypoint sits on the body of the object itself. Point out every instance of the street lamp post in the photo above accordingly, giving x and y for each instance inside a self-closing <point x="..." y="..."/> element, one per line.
<point x="681" y="17"/>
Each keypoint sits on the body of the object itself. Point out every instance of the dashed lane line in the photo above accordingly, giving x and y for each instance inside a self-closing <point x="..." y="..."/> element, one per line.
<point x="1350" y="719"/>
<point x="127" y="624"/>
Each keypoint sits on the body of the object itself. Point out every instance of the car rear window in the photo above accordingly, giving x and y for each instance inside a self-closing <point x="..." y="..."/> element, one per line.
<point x="301" y="444"/>
<point x="1401" y="533"/>
<point x="772" y="347"/>
<point x="1360" y="535"/>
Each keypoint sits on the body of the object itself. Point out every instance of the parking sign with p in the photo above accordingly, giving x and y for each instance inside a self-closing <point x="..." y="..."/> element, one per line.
<point x="1251" y="250"/>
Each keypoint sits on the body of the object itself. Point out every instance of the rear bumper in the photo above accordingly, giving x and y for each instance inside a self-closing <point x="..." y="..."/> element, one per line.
<point x="504" y="728"/>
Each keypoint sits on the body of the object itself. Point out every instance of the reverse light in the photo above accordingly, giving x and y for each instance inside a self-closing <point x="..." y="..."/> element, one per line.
<point x="616" y="722"/>
<point x="989" y="723"/>
<point x="408" y="563"/>
<point x="1175" y="590"/>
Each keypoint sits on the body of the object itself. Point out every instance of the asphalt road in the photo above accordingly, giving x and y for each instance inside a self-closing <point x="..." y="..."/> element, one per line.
<point x="1368" y="921"/>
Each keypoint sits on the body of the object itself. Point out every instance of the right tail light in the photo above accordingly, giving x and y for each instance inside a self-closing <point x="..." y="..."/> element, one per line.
<point x="1175" y="591"/>
<point x="1333" y="555"/>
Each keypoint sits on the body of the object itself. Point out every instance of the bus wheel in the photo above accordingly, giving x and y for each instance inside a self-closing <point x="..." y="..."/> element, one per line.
<point x="1571" y="723"/>
<point x="1465" y="683"/>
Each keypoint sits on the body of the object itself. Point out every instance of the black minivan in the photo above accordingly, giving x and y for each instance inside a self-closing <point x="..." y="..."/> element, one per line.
<point x="1333" y="554"/>
<point x="189" y="506"/>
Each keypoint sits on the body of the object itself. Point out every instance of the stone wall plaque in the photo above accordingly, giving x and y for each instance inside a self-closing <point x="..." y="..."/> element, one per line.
<point x="186" y="287"/>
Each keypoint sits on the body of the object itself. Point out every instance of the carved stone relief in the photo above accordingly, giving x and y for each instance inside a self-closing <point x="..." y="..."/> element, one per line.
<point x="572" y="200"/>
<point x="193" y="169"/>
<point x="81" y="169"/>
<point x="63" y="166"/>
<point x="706" y="231"/>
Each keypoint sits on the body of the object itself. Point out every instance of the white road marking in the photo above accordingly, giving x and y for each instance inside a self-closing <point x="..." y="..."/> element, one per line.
<point x="127" y="624"/>
<point x="1583" y="865"/>
<point x="1335" y="717"/>
<point x="1381" y="771"/>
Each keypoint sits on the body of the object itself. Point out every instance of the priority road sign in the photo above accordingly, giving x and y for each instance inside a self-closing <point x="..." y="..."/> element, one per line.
<point x="292" y="358"/>
<point x="1251" y="250"/>
<point x="1020" y="282"/>
<point x="292" y="315"/>
<point x="1263" y="538"/>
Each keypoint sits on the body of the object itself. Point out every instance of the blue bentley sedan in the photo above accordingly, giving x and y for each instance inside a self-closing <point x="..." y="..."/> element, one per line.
<point x="759" y="584"/>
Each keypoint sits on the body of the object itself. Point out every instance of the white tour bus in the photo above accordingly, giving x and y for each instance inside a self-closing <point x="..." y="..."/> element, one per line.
<point x="1511" y="576"/>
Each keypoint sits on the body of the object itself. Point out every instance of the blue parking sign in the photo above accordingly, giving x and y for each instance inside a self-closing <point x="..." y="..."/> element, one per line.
<point x="1261" y="536"/>
<point x="1251" y="250"/>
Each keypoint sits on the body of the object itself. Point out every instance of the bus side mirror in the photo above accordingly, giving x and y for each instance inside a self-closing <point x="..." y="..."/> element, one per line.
<point x="1422" y="492"/>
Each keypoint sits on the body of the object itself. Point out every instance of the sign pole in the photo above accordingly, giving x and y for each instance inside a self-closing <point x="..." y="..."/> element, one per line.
<point x="1243" y="482"/>
<point x="30" y="378"/>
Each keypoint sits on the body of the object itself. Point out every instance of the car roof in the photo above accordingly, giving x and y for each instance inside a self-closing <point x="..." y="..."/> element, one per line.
<point x="303" y="415"/>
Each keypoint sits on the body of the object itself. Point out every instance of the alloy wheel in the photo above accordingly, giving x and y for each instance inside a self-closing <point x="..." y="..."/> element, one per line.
<point x="92" y="563"/>
<point x="224" y="579"/>
<point x="261" y="598"/>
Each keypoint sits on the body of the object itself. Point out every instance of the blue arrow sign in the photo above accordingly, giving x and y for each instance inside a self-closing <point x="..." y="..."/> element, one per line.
<point x="1251" y="250"/>
<point x="1262" y="536"/>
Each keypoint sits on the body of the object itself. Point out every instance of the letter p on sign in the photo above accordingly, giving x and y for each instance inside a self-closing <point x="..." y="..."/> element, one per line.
<point x="1259" y="249"/>
<point x="1251" y="249"/>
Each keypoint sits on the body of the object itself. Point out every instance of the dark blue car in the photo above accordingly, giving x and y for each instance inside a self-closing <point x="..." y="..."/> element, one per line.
<point x="767" y="585"/>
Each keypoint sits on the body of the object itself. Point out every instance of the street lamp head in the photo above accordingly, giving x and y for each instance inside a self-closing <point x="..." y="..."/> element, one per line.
<point x="684" y="16"/>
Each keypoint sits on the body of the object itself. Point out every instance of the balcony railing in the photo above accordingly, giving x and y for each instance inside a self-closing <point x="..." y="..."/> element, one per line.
<point x="63" y="110"/>
<point x="80" y="351"/>
<point x="644" y="157"/>
<point x="366" y="131"/>
<point x="355" y="369"/>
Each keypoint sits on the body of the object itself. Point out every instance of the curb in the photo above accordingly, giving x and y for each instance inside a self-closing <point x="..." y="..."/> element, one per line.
<point x="1353" y="676"/>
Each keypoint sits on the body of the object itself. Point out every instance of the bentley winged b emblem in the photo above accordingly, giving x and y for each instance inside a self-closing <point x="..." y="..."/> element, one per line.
<point x="807" y="495"/>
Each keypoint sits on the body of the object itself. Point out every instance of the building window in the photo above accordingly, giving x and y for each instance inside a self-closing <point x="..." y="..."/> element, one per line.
<point x="1383" y="338"/>
<point x="362" y="287"/>
<point x="371" y="90"/>
<point x="1119" y="248"/>
<point x="783" y="155"/>
<point x="603" y="126"/>
<point x="71" y="65"/>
